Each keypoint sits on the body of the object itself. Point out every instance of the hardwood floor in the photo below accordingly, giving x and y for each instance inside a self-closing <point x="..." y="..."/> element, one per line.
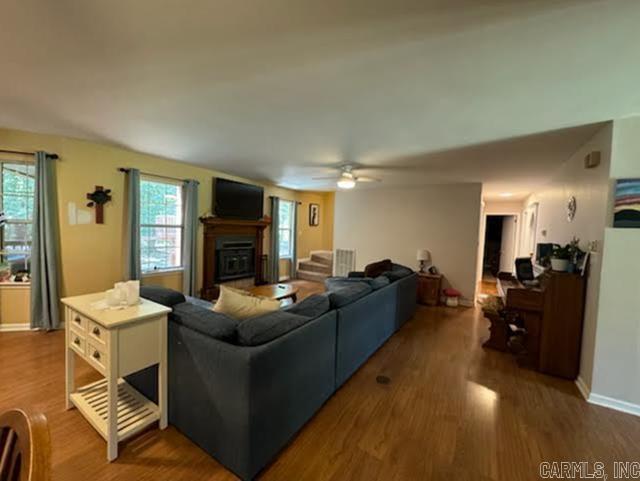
<point x="488" y="288"/>
<point x="451" y="411"/>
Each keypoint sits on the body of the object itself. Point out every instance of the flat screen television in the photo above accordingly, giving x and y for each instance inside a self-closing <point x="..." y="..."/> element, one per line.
<point x="235" y="200"/>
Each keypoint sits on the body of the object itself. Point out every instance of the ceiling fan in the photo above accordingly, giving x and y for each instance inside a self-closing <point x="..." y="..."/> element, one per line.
<point x="347" y="178"/>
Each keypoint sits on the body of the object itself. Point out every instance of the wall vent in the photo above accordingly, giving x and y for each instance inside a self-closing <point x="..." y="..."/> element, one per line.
<point x="344" y="261"/>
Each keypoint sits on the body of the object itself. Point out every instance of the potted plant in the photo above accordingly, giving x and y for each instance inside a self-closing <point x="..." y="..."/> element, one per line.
<point x="561" y="257"/>
<point x="565" y="258"/>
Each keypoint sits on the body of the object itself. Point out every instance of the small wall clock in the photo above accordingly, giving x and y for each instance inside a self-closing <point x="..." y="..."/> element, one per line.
<point x="572" y="206"/>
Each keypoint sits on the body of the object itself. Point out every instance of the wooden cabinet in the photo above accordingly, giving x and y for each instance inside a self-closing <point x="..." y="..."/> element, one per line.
<point x="429" y="286"/>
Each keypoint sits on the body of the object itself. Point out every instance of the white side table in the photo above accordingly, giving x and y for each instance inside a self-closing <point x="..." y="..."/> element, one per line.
<point x="116" y="343"/>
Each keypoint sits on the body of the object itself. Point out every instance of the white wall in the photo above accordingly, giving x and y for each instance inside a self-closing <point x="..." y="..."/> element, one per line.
<point x="395" y="223"/>
<point x="503" y="208"/>
<point x="591" y="189"/>
<point x="617" y="358"/>
<point x="617" y="355"/>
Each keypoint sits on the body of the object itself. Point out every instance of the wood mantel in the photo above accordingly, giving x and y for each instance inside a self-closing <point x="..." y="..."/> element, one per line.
<point x="217" y="226"/>
<point x="218" y="221"/>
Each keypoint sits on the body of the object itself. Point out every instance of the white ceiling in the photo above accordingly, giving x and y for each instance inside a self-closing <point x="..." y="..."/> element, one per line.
<point x="278" y="89"/>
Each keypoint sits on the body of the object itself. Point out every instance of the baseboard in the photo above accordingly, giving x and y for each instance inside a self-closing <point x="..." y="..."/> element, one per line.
<point x="22" y="327"/>
<point x="463" y="301"/>
<point x="15" y="327"/>
<point x="609" y="402"/>
<point x="605" y="401"/>
<point x="583" y="388"/>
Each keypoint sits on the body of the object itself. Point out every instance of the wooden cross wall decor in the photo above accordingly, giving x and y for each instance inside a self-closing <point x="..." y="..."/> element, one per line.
<point x="99" y="198"/>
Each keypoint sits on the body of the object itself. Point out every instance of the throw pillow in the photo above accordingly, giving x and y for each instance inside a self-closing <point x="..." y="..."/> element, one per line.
<point x="397" y="272"/>
<point x="240" y="305"/>
<point x="377" y="268"/>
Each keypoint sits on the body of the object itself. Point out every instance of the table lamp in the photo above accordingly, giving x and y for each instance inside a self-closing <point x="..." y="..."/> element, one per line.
<point x="423" y="256"/>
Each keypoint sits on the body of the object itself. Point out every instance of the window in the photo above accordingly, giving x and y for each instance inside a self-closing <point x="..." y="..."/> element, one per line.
<point x="160" y="225"/>
<point x="285" y="229"/>
<point x="17" y="185"/>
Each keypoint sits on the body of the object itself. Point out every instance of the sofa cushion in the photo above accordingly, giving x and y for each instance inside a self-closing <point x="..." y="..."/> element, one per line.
<point x="378" y="282"/>
<point x="240" y="305"/>
<point x="205" y="321"/>
<point x="333" y="283"/>
<point x="267" y="327"/>
<point x="162" y="295"/>
<point x="349" y="292"/>
<point x="312" y="306"/>
<point x="397" y="272"/>
<point x="200" y="302"/>
<point x="376" y="268"/>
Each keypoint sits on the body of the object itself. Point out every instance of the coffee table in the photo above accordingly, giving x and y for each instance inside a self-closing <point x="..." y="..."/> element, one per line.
<point x="277" y="292"/>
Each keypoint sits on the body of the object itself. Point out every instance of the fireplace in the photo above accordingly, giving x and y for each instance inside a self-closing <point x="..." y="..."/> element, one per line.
<point x="236" y="257"/>
<point x="232" y="251"/>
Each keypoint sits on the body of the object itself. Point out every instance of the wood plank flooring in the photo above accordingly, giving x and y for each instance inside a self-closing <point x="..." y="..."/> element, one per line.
<point x="451" y="411"/>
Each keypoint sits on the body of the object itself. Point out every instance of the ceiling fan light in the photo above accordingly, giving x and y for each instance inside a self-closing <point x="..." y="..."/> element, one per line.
<point x="346" y="183"/>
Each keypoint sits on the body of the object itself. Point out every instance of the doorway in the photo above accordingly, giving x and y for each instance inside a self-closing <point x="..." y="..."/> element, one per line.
<point x="500" y="248"/>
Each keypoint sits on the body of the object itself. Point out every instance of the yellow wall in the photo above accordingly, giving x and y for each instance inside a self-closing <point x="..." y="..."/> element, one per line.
<point x="314" y="238"/>
<point x="92" y="255"/>
<point x="14" y="304"/>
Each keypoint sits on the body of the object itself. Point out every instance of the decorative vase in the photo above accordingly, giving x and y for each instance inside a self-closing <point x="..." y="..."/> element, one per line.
<point x="560" y="265"/>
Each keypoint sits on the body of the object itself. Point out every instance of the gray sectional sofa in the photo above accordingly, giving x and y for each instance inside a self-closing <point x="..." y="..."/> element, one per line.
<point x="241" y="391"/>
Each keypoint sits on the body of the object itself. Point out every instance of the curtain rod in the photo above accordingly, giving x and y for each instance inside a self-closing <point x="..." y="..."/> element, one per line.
<point x="21" y="152"/>
<point x="125" y="170"/>
<point x="276" y="197"/>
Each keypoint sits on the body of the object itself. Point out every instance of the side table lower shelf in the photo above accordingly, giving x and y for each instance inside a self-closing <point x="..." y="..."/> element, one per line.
<point x="135" y="412"/>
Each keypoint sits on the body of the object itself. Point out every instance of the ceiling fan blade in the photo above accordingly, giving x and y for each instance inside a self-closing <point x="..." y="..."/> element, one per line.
<point x="325" y="178"/>
<point x="366" y="179"/>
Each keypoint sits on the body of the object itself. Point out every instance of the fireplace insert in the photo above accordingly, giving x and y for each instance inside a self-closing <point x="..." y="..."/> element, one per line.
<point x="236" y="257"/>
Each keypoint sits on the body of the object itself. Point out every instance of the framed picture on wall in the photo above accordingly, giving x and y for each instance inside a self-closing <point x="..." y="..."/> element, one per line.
<point x="627" y="204"/>
<point x="314" y="214"/>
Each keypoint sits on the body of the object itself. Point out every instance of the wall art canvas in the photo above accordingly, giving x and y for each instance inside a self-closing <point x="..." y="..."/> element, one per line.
<point x="627" y="204"/>
<point x="314" y="214"/>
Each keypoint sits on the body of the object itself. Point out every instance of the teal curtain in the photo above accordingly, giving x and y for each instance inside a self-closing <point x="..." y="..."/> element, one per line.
<point x="45" y="247"/>
<point x="293" y="273"/>
<point x="190" y="240"/>
<point x="274" y="244"/>
<point x="132" y="267"/>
